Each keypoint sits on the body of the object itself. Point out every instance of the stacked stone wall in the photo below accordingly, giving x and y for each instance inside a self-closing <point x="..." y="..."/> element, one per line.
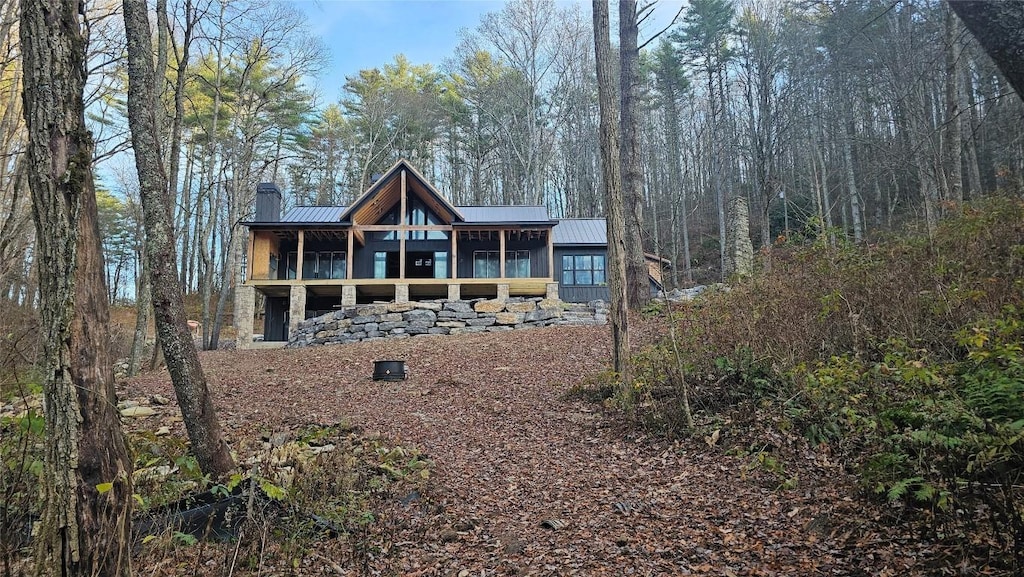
<point x="442" y="317"/>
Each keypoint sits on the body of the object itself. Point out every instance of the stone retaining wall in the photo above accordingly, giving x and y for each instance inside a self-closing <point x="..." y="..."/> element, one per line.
<point x="443" y="317"/>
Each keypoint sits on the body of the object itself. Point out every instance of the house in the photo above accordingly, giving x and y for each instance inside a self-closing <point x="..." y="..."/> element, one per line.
<point x="402" y="240"/>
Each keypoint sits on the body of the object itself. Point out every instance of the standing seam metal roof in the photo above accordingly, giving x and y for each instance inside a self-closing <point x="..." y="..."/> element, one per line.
<point x="525" y="214"/>
<point x="580" y="231"/>
<point x="570" y="231"/>
<point x="314" y="214"/>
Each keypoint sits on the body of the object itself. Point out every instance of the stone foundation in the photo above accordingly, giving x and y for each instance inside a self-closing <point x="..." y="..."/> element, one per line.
<point x="442" y="317"/>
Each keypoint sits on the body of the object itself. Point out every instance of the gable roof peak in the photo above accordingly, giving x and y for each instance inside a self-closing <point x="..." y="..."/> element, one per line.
<point x="378" y="185"/>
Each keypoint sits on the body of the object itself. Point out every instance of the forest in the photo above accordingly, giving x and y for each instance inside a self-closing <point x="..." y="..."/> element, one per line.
<point x="846" y="117"/>
<point x="861" y="135"/>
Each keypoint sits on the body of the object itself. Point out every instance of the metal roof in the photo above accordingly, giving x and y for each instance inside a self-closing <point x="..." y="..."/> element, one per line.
<point x="301" y="214"/>
<point x="504" y="214"/>
<point x="580" y="231"/>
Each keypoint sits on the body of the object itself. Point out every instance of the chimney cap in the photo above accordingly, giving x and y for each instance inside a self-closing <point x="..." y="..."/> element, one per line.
<point x="268" y="187"/>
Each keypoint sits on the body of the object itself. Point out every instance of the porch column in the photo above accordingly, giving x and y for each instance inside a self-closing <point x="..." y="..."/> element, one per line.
<point x="501" y="254"/>
<point x="348" y="295"/>
<point x="298" y="259"/>
<point x="249" y="259"/>
<point x="551" y="291"/>
<point x="401" y="237"/>
<point x="454" y="292"/>
<point x="455" y="256"/>
<point x="245" y="302"/>
<point x="296" y="309"/>
<point x="502" y="292"/>
<point x="401" y="293"/>
<point x="349" y="256"/>
<point x="551" y="253"/>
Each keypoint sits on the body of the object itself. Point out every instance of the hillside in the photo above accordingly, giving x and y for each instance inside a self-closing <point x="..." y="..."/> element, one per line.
<point x="510" y="450"/>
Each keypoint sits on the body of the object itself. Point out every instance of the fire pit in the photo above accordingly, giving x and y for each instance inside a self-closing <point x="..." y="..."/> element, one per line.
<point x="389" y="371"/>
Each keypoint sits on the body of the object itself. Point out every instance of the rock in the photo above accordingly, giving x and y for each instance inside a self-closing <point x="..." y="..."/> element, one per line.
<point x="520" y="307"/>
<point x="159" y="400"/>
<point x="421" y="315"/>
<point x="137" y="412"/>
<point x="163" y="431"/>
<point x="550" y="304"/>
<point x="385" y="327"/>
<point x="279" y="438"/>
<point x="362" y="320"/>
<point x="509" y="318"/>
<point x="450" y="324"/>
<point x="458" y="307"/>
<point x="540" y="315"/>
<point x="391" y="318"/>
<point x="371" y="310"/>
<point x="400" y="307"/>
<point x="489" y="306"/>
<point x="484" y="322"/>
<point x="438" y="331"/>
<point x="429" y="306"/>
<point x="466" y="315"/>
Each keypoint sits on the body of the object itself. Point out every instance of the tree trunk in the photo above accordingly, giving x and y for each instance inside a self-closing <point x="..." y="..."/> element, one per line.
<point x="87" y="491"/>
<point x="997" y="26"/>
<point x="179" y="349"/>
<point x="638" y="291"/>
<point x="143" y="304"/>
<point x="612" y="188"/>
<point x="954" y="121"/>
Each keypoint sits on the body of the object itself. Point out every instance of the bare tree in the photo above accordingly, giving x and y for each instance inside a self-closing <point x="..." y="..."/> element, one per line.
<point x="611" y="186"/>
<point x="997" y="27"/>
<point x="190" y="385"/>
<point x="88" y="472"/>
<point x="638" y="292"/>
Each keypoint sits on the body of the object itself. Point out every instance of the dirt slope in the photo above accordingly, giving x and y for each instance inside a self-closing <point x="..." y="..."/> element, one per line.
<point x="511" y="452"/>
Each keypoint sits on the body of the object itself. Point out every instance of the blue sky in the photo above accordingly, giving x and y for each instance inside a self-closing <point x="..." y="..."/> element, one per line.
<point x="368" y="34"/>
<point x="365" y="34"/>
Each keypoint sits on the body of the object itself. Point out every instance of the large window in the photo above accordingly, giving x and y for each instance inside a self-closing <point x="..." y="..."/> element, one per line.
<point x="440" y="264"/>
<point x="380" y="265"/>
<point x="485" y="264"/>
<point x="318" y="265"/>
<point x="517" y="264"/>
<point x="583" y="269"/>
<point x="417" y="214"/>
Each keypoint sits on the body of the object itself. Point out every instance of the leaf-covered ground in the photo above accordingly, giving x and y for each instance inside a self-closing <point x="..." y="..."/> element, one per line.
<point x="528" y="481"/>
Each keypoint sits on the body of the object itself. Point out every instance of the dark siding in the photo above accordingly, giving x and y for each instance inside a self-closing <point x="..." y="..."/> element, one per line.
<point x="362" y="267"/>
<point x="275" y="320"/>
<point x="538" y="254"/>
<point x="583" y="294"/>
<point x="578" y="294"/>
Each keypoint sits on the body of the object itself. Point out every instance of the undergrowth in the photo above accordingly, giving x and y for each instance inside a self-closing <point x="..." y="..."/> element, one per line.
<point x="902" y="358"/>
<point x="330" y="497"/>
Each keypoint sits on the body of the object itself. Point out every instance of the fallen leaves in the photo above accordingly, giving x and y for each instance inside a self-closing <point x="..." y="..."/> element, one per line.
<point x="526" y="482"/>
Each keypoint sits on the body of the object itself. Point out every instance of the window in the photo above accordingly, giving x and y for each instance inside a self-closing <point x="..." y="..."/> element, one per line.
<point x="583" y="269"/>
<point x="380" y="265"/>
<point x="309" y="265"/>
<point x="317" y="265"/>
<point x="485" y="264"/>
<point x="440" y="265"/>
<point x="293" y="262"/>
<point x="417" y="214"/>
<point x="517" y="264"/>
